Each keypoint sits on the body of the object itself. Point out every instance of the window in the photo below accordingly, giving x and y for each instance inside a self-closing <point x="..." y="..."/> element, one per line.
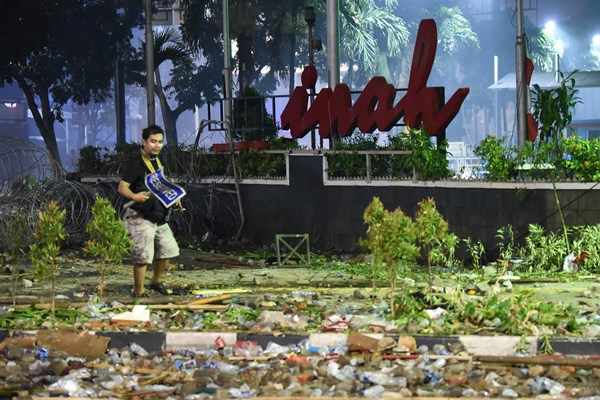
<point x="593" y="134"/>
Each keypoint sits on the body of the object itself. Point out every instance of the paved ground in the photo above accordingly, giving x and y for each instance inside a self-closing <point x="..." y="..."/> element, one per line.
<point x="198" y="271"/>
<point x="206" y="273"/>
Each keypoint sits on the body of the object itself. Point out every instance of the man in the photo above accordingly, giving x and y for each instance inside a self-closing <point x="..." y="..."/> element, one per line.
<point x="146" y="220"/>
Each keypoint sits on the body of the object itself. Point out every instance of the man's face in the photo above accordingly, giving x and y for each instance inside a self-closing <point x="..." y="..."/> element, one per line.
<point x="154" y="144"/>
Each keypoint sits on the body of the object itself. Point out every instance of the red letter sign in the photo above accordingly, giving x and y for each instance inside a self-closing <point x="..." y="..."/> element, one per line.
<point x="374" y="108"/>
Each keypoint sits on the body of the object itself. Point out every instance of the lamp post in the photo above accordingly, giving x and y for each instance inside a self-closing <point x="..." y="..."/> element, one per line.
<point x="521" y="83"/>
<point x="227" y="104"/>
<point x="310" y="18"/>
<point x="333" y="51"/>
<point x="149" y="62"/>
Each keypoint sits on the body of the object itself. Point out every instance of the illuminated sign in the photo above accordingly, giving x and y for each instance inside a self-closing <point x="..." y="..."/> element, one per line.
<point x="332" y="110"/>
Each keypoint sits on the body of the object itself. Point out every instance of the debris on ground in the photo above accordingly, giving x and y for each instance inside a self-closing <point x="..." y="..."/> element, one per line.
<point x="379" y="356"/>
<point x="362" y="366"/>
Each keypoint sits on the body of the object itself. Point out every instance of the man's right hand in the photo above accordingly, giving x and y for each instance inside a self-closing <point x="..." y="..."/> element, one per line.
<point x="140" y="197"/>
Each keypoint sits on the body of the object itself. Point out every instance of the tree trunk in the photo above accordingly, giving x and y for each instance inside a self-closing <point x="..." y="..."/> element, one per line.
<point x="170" y="120"/>
<point x="44" y="123"/>
<point x="246" y="60"/>
<point x="170" y="128"/>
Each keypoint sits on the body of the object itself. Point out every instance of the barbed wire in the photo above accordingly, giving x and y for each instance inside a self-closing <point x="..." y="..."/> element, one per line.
<point x="26" y="186"/>
<point x="22" y="164"/>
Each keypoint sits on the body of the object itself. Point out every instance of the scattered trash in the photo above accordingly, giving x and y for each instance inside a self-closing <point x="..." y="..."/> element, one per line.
<point x="139" y="313"/>
<point x="376" y="356"/>
<point x="572" y="261"/>
<point x="570" y="265"/>
<point x="244" y="370"/>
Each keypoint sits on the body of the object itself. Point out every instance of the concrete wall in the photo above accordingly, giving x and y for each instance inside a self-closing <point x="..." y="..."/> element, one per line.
<point x="332" y="211"/>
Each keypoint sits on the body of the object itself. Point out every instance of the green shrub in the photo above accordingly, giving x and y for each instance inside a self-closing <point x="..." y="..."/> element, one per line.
<point x="49" y="234"/>
<point x="109" y="240"/>
<point x="498" y="158"/>
<point x="434" y="237"/>
<point x="427" y="159"/>
<point x="391" y="237"/>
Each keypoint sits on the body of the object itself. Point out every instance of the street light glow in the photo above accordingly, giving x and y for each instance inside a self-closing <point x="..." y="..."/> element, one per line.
<point x="550" y="26"/>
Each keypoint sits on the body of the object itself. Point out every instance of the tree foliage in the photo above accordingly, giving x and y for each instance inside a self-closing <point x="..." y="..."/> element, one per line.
<point x="66" y="51"/>
<point x="391" y="237"/>
<point x="261" y="29"/>
<point x="109" y="240"/>
<point x="372" y="35"/>
<point x="189" y="83"/>
<point x="49" y="234"/>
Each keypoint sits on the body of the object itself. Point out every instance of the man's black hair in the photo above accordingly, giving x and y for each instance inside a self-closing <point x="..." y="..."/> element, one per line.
<point x="151" y="130"/>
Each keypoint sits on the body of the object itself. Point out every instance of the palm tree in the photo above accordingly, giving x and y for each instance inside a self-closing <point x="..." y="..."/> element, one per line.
<point x="186" y="83"/>
<point x="169" y="47"/>
<point x="288" y="46"/>
<point x="372" y="35"/>
<point x="265" y="32"/>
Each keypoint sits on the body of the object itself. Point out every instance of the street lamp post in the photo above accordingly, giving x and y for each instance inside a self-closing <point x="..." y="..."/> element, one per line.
<point x="310" y="18"/>
<point x="149" y="62"/>
<point x="333" y="52"/>
<point x="522" y="86"/>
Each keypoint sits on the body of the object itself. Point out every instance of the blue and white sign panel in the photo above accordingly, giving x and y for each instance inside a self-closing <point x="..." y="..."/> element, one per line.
<point x="167" y="192"/>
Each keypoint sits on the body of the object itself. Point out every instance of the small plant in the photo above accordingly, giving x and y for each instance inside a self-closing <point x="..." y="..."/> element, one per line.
<point x="506" y="244"/>
<point x="353" y="165"/>
<point x="391" y="237"/>
<point x="553" y="108"/>
<point x="582" y="159"/>
<point x="433" y="235"/>
<point x="253" y="163"/>
<point x="543" y="251"/>
<point x="49" y="234"/>
<point x="92" y="160"/>
<point x="476" y="250"/>
<point x="109" y="240"/>
<point x="515" y="315"/>
<point x="545" y="345"/>
<point x="586" y="246"/>
<point x="522" y="194"/>
<point x="426" y="158"/>
<point x="498" y="158"/>
<point x="251" y="121"/>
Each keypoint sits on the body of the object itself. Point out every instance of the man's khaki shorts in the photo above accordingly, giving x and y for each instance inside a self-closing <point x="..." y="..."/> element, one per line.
<point x="150" y="241"/>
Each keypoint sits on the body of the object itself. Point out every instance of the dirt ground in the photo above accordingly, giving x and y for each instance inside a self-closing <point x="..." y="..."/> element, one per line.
<point x="203" y="273"/>
<point x="195" y="272"/>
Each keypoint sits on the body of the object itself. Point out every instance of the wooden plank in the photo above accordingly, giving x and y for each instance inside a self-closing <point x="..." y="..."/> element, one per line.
<point x="541" y="360"/>
<point x="207" y="300"/>
<point x="195" y="307"/>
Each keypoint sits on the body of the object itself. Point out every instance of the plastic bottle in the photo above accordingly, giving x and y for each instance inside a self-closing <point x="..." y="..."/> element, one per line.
<point x="137" y="349"/>
<point x="541" y="384"/>
<point x="440" y="349"/>
<point x="381" y="378"/>
<point x="275" y="349"/>
<point x="439" y="364"/>
<point x="126" y="357"/>
<point x="332" y="368"/>
<point x="509" y="393"/>
<point x="228" y="351"/>
<point x="345" y="374"/>
<point x="374" y="391"/>
<point x="43" y="354"/>
<point x="552" y="387"/>
<point x="228" y="369"/>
